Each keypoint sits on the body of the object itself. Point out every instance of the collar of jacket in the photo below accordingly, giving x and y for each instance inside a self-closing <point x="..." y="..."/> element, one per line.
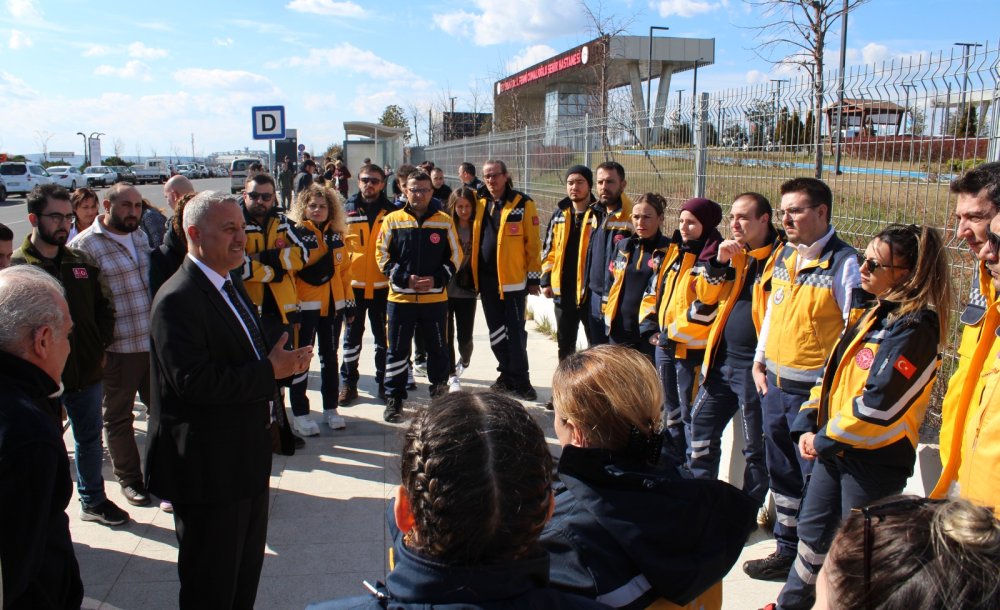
<point x="174" y="244"/>
<point x="433" y="207"/>
<point x="415" y="578"/>
<point x="693" y="246"/>
<point x="20" y="374"/>
<point x="655" y="242"/>
<point x="382" y="202"/>
<point x="568" y="203"/>
<point x="772" y="242"/>
<point x="34" y="257"/>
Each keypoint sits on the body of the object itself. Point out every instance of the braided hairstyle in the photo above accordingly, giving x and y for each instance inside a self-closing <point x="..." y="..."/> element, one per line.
<point x="477" y="471"/>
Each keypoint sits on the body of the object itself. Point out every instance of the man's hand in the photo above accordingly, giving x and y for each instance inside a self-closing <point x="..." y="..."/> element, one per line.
<point x="760" y="378"/>
<point x="421" y="283"/>
<point x="534" y="290"/>
<point x="289" y="362"/>
<point x="547" y="292"/>
<point x="654" y="339"/>
<point x="806" y="446"/>
<point x="727" y="250"/>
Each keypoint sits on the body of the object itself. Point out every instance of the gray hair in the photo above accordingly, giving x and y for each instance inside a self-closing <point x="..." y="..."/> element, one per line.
<point x="29" y="299"/>
<point x="199" y="206"/>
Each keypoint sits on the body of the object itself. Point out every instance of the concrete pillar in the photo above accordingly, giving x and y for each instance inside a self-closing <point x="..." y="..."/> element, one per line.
<point x="638" y="102"/>
<point x="662" y="93"/>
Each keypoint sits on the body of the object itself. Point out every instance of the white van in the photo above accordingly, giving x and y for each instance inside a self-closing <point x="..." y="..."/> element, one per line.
<point x="238" y="171"/>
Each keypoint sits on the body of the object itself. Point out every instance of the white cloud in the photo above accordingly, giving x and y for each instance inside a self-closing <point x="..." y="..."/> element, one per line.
<point x="873" y="53"/>
<point x="141" y="51"/>
<point x="97" y="50"/>
<point x="24" y="10"/>
<point x="513" y="20"/>
<point x="12" y="87"/>
<point x="756" y="76"/>
<point x="134" y="69"/>
<point x="686" y="8"/>
<point x="321" y="102"/>
<point x="223" y="42"/>
<point x="350" y="58"/>
<point x="158" y="26"/>
<point x="326" y="7"/>
<point x="19" y="40"/>
<point x="529" y="57"/>
<point x="229" y="80"/>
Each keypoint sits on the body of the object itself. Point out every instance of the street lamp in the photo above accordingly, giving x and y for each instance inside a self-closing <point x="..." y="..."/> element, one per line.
<point x="966" y="47"/>
<point x="774" y="117"/>
<point x="649" y="64"/>
<point x="85" y="154"/>
<point x="694" y="91"/>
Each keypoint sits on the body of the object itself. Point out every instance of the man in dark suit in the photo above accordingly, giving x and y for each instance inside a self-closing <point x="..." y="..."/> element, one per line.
<point x="214" y="382"/>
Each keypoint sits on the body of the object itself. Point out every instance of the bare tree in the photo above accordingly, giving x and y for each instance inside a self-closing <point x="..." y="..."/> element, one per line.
<point x="43" y="137"/>
<point x="416" y="114"/>
<point x="118" y="145"/>
<point x="138" y="151"/>
<point x="604" y="27"/>
<point x="794" y="33"/>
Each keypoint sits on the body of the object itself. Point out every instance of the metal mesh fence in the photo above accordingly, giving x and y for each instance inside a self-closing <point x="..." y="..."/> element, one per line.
<point x="906" y="128"/>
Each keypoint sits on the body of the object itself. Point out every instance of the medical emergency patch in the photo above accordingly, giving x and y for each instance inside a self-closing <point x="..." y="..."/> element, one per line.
<point x="778" y="296"/>
<point x="653" y="262"/>
<point x="864" y="358"/>
<point x="904" y="366"/>
<point x="435" y="238"/>
<point x="80" y="273"/>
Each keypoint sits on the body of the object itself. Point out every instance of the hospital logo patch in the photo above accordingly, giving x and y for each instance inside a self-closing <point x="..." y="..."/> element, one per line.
<point x="619" y="237"/>
<point x="435" y="238"/>
<point x="80" y="273"/>
<point x="864" y="359"/>
<point x="653" y="262"/>
<point x="779" y="295"/>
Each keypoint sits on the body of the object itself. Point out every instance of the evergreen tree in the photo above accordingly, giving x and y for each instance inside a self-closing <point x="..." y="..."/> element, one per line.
<point x="393" y="116"/>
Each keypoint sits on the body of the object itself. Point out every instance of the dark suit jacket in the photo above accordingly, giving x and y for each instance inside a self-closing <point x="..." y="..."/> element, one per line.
<point x="208" y="422"/>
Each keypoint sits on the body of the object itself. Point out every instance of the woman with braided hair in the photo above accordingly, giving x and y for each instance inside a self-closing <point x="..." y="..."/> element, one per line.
<point x="630" y="531"/>
<point x="476" y="492"/>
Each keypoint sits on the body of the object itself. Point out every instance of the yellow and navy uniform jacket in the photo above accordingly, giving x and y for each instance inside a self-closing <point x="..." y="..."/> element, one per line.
<point x="280" y="253"/>
<point x="874" y="392"/>
<point x="973" y="439"/>
<point x="519" y="244"/>
<point x="326" y="278"/>
<point x="721" y="284"/>
<point x="607" y="231"/>
<point x="554" y="247"/>
<point x="678" y="314"/>
<point x="636" y="252"/>
<point x="981" y="296"/>
<point x="806" y="318"/>
<point x="409" y="246"/>
<point x="363" y="226"/>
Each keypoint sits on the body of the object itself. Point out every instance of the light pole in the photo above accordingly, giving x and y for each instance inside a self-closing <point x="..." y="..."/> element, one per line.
<point x="906" y="107"/>
<point x="966" y="47"/>
<point x="85" y="151"/>
<point x="694" y="92"/>
<point x="774" y="116"/>
<point x="451" y="121"/>
<point x="840" y="90"/>
<point x="649" y="64"/>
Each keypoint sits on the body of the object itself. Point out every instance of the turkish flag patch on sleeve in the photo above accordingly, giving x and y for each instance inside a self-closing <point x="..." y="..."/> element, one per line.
<point x="905" y="367"/>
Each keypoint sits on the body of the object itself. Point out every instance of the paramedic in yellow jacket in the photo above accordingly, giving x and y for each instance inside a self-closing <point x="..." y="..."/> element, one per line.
<point x="738" y="280"/>
<point x="815" y="274"/>
<point x="275" y="253"/>
<point x="325" y="298"/>
<point x="972" y="470"/>
<point x="978" y="202"/>
<point x="680" y="322"/>
<point x="507" y="267"/>
<point x="564" y="257"/>
<point x="861" y="424"/>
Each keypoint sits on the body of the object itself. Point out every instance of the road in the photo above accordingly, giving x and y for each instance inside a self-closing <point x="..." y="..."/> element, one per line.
<point x="14" y="214"/>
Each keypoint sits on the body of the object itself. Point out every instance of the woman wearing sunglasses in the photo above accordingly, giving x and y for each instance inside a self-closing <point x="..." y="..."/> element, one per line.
<point x="861" y="423"/>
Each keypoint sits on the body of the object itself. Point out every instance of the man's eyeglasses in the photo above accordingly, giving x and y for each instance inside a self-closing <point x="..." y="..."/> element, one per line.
<point x="419" y="191"/>
<point x="367" y="180"/>
<point x="794" y="212"/>
<point x="873" y="265"/>
<point x="253" y="195"/>
<point x="60" y="218"/>
<point x="491" y="176"/>
<point x="880" y="512"/>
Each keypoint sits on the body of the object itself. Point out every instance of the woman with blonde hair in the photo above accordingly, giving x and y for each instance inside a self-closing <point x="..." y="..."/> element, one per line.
<point x="861" y="423"/>
<point x="326" y="299"/>
<point x="629" y="531"/>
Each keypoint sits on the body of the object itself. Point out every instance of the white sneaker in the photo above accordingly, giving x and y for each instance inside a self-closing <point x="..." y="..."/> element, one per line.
<point x="305" y="426"/>
<point x="334" y="420"/>
<point x="459" y="368"/>
<point x="453" y="384"/>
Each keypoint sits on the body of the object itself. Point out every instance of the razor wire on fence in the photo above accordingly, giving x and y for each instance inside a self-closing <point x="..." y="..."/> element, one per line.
<point x="888" y="146"/>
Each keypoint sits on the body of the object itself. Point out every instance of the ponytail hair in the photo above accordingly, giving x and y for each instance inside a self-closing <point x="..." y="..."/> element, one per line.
<point x="921" y="249"/>
<point x="478" y="473"/>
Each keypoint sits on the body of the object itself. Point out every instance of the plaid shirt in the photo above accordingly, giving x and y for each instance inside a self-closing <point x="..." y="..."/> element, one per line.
<point x="128" y="281"/>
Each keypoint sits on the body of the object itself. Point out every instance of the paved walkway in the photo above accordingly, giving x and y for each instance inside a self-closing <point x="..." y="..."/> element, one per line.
<point x="327" y="522"/>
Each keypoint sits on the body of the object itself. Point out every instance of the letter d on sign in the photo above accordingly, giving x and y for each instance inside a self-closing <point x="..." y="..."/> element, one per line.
<point x="268" y="122"/>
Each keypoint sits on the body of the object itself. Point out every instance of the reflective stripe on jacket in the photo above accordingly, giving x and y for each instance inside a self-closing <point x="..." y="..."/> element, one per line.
<point x="554" y="247"/>
<point x="409" y="246"/>
<point x="337" y="290"/>
<point x="362" y="233"/>
<point x="277" y="247"/>
<point x="679" y="313"/>
<point x="624" y="254"/>
<point x="519" y="245"/>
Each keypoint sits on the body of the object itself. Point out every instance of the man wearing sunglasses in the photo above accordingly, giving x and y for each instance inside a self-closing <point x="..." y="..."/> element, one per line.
<point x="274" y="252"/>
<point x="970" y="412"/>
<point x="814" y="276"/>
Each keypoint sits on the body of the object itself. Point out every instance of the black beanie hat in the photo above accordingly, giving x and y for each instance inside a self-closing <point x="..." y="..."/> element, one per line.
<point x="584" y="171"/>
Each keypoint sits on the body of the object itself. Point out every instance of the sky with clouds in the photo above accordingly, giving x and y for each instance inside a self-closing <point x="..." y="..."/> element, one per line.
<point x="151" y="74"/>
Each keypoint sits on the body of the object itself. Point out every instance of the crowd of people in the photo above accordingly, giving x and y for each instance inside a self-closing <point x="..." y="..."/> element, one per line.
<point x="828" y="355"/>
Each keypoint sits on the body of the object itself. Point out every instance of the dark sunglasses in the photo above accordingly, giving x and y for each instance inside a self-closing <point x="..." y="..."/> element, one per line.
<point x="873" y="265"/>
<point x="370" y="180"/>
<point x="262" y="196"/>
<point x="879" y="512"/>
<point x="994" y="241"/>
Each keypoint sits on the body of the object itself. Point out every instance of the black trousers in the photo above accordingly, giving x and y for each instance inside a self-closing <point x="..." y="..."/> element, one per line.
<point x="375" y="309"/>
<point x="569" y="315"/>
<point x="403" y="318"/>
<point x="220" y="551"/>
<point x="327" y="330"/>
<point x="461" y="322"/>
<point x="508" y="336"/>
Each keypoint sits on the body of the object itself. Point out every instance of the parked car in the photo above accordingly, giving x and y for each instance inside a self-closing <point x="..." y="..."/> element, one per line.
<point x="3" y="190"/>
<point x="22" y="176"/>
<point x="124" y="174"/>
<point x="100" y="175"/>
<point x="67" y="176"/>
<point x="151" y="170"/>
<point x="238" y="170"/>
